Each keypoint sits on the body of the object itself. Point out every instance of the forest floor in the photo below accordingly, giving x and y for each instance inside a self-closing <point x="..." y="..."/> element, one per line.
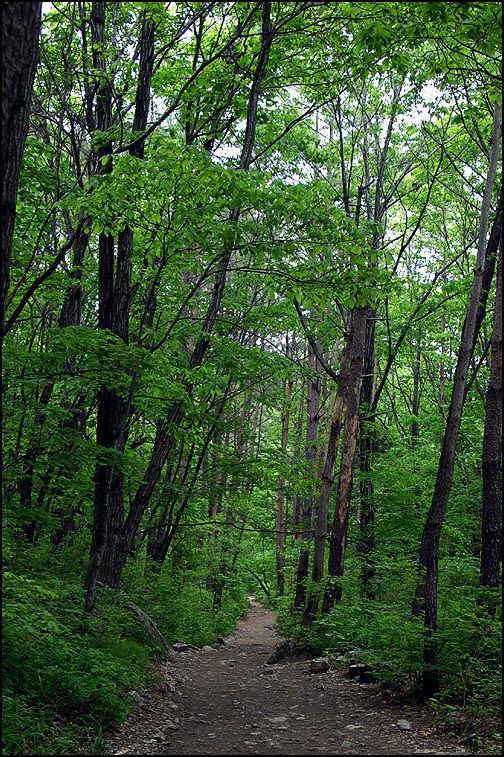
<point x="230" y="701"/>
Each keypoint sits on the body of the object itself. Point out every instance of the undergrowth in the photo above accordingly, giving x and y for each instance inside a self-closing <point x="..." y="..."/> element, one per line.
<point x="66" y="675"/>
<point x="385" y="636"/>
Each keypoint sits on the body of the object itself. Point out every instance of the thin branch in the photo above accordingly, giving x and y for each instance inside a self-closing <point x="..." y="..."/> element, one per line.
<point x="314" y="345"/>
<point x="45" y="275"/>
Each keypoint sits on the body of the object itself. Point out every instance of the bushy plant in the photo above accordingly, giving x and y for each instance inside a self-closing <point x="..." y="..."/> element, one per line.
<point x="182" y="605"/>
<point x="63" y="675"/>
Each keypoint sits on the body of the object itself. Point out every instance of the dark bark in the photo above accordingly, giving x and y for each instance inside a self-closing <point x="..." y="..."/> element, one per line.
<point x="321" y="521"/>
<point x="306" y="515"/>
<point x="337" y="548"/>
<point x="442" y="393"/>
<point x="227" y="553"/>
<point x="230" y="546"/>
<point x="281" y="520"/>
<point x="158" y="548"/>
<point x="375" y="210"/>
<point x="491" y="537"/>
<point x="71" y="310"/>
<point x="415" y="400"/>
<point x="114" y="313"/>
<point x="107" y="433"/>
<point x="20" y="34"/>
<point x="153" y="630"/>
<point x="165" y="439"/>
<point x="298" y="444"/>
<point x="425" y="601"/>
<point x="175" y="476"/>
<point x="366" y="541"/>
<point x="25" y="485"/>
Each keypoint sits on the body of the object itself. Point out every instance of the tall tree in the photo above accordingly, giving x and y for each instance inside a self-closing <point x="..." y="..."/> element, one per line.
<point x="491" y="534"/>
<point x="20" y="33"/>
<point x="165" y="436"/>
<point x="425" y="603"/>
<point x="326" y="484"/>
<point x="311" y="449"/>
<point x="281" y="519"/>
<point x="337" y="546"/>
<point x="115" y="287"/>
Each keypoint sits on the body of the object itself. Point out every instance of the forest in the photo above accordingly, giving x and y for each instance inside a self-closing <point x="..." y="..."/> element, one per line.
<point x="251" y="343"/>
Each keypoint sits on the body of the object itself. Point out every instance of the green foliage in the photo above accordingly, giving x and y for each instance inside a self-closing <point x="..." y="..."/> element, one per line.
<point x="388" y="639"/>
<point x="66" y="675"/>
<point x="58" y="670"/>
<point x="364" y="189"/>
<point x="471" y="654"/>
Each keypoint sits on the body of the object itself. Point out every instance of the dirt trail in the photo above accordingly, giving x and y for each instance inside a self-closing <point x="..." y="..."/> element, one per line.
<point x="229" y="701"/>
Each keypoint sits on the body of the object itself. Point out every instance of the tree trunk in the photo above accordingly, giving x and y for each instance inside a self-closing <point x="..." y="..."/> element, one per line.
<point x="165" y="440"/>
<point x="281" y="520"/>
<point x="425" y="601"/>
<point x="442" y="394"/>
<point x="298" y="444"/>
<point x="337" y="546"/>
<point x="325" y="490"/>
<point x="107" y="435"/>
<point x="158" y="548"/>
<point x="366" y="541"/>
<point x="415" y="400"/>
<point x="492" y="439"/>
<point x="305" y="524"/>
<point x="110" y="571"/>
<point x="20" y="34"/>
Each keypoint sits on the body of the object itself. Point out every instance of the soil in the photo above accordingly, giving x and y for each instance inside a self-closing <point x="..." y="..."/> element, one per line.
<point x="229" y="700"/>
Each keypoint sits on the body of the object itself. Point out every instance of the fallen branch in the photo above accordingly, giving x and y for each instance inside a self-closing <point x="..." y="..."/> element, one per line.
<point x="152" y="629"/>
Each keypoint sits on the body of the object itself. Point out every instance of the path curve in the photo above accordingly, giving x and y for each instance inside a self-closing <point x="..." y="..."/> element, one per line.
<point x="228" y="701"/>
